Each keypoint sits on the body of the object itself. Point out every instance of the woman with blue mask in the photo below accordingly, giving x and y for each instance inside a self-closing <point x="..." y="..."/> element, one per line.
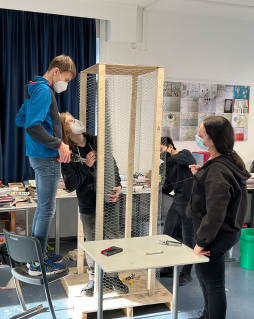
<point x="217" y="208"/>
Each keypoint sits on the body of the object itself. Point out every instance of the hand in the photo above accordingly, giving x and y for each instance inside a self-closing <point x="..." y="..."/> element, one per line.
<point x="200" y="251"/>
<point x="64" y="153"/>
<point x="194" y="168"/>
<point x="148" y="179"/>
<point x="90" y="158"/>
<point x="113" y="198"/>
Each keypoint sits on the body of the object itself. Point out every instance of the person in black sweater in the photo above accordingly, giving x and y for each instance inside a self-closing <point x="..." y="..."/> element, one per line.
<point x="217" y="208"/>
<point x="80" y="175"/>
<point x="178" y="179"/>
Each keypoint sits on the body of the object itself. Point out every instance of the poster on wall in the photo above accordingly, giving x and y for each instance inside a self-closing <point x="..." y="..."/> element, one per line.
<point x="185" y="105"/>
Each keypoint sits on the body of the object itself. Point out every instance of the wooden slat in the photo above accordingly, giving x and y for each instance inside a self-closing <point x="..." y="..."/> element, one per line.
<point x="121" y="69"/>
<point x="100" y="154"/>
<point x="81" y="254"/>
<point x="83" y="98"/>
<point x="154" y="199"/>
<point x="131" y="150"/>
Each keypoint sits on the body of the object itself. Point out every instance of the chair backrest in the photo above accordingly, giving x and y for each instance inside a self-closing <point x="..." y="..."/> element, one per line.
<point x="23" y="249"/>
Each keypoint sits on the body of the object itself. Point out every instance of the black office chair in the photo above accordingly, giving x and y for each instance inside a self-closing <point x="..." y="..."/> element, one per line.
<point x="22" y="250"/>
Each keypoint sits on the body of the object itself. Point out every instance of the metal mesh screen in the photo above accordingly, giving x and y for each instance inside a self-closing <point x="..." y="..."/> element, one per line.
<point x="130" y="98"/>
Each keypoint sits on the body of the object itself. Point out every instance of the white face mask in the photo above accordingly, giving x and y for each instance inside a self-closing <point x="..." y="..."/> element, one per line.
<point x="77" y="127"/>
<point x="60" y="86"/>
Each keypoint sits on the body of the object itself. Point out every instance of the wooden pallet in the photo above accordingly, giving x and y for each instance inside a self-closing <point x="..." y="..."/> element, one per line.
<point x="138" y="294"/>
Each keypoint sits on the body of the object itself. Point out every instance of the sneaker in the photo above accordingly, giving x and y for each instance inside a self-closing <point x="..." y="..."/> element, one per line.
<point x="50" y="268"/>
<point x="184" y="279"/>
<point x="56" y="259"/>
<point x="88" y="289"/>
<point x="115" y="284"/>
<point x="166" y="272"/>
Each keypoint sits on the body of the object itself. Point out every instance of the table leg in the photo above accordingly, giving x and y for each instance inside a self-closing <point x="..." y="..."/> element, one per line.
<point x="100" y="293"/>
<point x="57" y="240"/>
<point x="27" y="216"/>
<point x="175" y="292"/>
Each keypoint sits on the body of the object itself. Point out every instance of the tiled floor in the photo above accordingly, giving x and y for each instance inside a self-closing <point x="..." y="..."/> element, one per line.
<point x="239" y="286"/>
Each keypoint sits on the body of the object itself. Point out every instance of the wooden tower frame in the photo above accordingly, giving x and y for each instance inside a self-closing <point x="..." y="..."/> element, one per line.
<point x="101" y="70"/>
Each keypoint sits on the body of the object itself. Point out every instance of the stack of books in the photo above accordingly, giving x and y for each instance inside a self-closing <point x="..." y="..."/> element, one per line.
<point x="19" y="187"/>
<point x="21" y="201"/>
<point x="31" y="187"/>
<point x="61" y="184"/>
<point x="250" y="181"/>
<point x="5" y="198"/>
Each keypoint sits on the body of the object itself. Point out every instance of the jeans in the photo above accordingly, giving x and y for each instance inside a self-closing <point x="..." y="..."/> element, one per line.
<point x="176" y="218"/>
<point x="47" y="175"/>
<point x="211" y="275"/>
<point x="88" y="221"/>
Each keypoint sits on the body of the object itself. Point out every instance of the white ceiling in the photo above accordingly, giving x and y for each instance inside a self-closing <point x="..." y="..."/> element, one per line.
<point x="239" y="9"/>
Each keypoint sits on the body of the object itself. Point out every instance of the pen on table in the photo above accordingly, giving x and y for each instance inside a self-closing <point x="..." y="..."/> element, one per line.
<point x="154" y="252"/>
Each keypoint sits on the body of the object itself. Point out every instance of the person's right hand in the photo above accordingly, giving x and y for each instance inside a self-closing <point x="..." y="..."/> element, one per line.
<point x="148" y="178"/>
<point x="90" y="158"/>
<point x="64" y="153"/>
<point x="194" y="168"/>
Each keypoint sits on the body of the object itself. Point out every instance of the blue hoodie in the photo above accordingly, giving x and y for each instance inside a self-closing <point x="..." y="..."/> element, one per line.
<point x="36" y="112"/>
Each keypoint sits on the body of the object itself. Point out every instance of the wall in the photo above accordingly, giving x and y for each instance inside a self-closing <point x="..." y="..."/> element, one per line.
<point x="194" y="48"/>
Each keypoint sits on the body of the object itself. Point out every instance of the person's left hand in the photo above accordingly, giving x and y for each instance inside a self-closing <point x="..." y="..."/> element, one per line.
<point x="200" y="251"/>
<point x="113" y="198"/>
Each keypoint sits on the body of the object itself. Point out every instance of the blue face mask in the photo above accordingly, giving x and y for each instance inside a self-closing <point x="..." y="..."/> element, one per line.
<point x="200" y="143"/>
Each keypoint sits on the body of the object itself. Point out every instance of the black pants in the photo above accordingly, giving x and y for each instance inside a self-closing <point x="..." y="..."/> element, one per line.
<point x="175" y="219"/>
<point x="211" y="275"/>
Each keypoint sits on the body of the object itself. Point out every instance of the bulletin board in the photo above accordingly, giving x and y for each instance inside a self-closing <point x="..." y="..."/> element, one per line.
<point x="185" y="105"/>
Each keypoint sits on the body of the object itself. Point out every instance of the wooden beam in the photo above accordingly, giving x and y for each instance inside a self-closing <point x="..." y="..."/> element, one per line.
<point x="100" y="153"/>
<point x="83" y="98"/>
<point x="129" y="195"/>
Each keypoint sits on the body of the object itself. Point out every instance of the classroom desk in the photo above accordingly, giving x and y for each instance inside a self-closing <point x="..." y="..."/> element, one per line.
<point x="61" y="194"/>
<point x="18" y="208"/>
<point x="59" y="198"/>
<point x="133" y="257"/>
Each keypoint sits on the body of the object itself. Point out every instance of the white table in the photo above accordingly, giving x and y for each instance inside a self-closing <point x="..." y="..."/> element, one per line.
<point x="61" y="194"/>
<point x="25" y="207"/>
<point x="59" y="197"/>
<point x="133" y="257"/>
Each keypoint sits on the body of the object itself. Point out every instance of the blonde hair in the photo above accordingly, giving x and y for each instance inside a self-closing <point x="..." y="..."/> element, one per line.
<point x="64" y="63"/>
<point x="66" y="139"/>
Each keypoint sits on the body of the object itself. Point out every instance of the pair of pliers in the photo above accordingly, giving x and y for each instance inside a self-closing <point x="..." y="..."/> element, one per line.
<point x="170" y="243"/>
<point x="130" y="278"/>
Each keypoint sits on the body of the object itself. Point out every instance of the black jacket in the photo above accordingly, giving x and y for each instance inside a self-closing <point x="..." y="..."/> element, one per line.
<point x="179" y="177"/>
<point x="219" y="198"/>
<point x="78" y="176"/>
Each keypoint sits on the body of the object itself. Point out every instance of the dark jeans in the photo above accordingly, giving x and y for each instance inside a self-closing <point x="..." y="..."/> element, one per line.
<point x="211" y="275"/>
<point x="176" y="218"/>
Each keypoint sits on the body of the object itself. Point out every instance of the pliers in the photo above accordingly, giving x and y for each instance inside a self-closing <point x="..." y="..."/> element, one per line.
<point x="170" y="243"/>
<point x="130" y="278"/>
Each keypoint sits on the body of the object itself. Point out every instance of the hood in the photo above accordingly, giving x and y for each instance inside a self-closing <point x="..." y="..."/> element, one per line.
<point x="38" y="80"/>
<point x="229" y="162"/>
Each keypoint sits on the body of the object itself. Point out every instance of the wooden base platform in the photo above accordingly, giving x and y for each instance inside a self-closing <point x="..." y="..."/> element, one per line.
<point x="138" y="294"/>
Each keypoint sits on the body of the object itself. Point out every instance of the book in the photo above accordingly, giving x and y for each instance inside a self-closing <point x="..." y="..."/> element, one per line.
<point x="21" y="201"/>
<point x="6" y="201"/>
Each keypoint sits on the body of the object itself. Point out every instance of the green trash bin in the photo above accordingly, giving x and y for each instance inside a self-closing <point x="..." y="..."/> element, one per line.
<point x="247" y="248"/>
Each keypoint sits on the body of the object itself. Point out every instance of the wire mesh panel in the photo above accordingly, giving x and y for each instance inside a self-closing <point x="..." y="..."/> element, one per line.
<point x="121" y="105"/>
